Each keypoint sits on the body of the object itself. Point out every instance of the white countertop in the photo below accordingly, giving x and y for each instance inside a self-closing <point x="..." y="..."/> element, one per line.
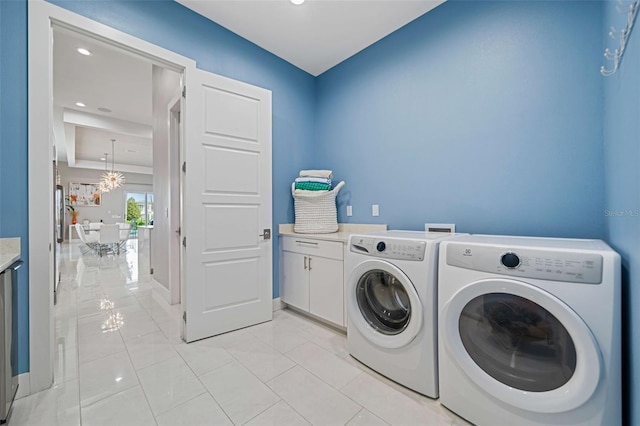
<point x="344" y="231"/>
<point x="9" y="252"/>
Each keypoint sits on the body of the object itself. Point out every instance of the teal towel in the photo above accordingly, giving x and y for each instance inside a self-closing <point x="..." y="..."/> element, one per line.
<point x="313" y="186"/>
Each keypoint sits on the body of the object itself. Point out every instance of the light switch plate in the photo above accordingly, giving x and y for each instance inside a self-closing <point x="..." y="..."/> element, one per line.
<point x="349" y="210"/>
<point x="375" y="210"/>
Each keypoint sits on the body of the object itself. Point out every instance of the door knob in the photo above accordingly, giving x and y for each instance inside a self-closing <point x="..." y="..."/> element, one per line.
<point x="266" y="234"/>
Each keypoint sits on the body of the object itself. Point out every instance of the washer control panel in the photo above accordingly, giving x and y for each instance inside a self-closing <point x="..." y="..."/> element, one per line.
<point x="544" y="264"/>
<point x="389" y="248"/>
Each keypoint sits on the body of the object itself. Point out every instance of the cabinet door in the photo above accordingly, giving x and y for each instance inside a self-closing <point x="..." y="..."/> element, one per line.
<point x="326" y="289"/>
<point x="295" y="280"/>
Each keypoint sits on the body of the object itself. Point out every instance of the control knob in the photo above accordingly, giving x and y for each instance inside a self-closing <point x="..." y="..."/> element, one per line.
<point x="381" y="246"/>
<point x="510" y="260"/>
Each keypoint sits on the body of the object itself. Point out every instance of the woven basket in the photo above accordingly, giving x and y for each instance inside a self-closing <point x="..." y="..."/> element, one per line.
<point x="316" y="211"/>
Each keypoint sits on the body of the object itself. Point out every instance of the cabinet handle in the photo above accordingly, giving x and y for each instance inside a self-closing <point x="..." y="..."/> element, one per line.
<point x="306" y="242"/>
<point x="309" y="263"/>
<point x="305" y="263"/>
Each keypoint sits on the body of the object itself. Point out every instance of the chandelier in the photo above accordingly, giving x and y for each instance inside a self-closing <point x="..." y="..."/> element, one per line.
<point x="103" y="185"/>
<point x="111" y="179"/>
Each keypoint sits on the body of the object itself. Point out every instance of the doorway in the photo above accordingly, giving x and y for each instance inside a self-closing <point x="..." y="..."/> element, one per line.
<point x="226" y="181"/>
<point x="44" y="18"/>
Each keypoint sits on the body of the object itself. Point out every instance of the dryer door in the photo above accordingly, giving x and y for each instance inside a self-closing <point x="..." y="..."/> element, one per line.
<point x="522" y="345"/>
<point x="383" y="304"/>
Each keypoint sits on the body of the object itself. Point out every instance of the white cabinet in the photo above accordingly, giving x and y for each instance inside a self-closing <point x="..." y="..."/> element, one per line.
<point x="295" y="280"/>
<point x="312" y="277"/>
<point x="326" y="289"/>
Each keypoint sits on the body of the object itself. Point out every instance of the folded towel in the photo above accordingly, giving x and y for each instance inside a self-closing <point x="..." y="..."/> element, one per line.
<point x="313" y="186"/>
<point x="313" y="179"/>
<point x="317" y="173"/>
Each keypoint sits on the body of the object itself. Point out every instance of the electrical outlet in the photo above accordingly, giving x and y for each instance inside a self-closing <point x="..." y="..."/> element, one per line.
<point x="349" y="210"/>
<point x="375" y="210"/>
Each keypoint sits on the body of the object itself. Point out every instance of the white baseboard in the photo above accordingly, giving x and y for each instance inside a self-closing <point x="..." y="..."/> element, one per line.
<point x="162" y="290"/>
<point x="277" y="304"/>
<point x="24" y="386"/>
<point x="316" y="318"/>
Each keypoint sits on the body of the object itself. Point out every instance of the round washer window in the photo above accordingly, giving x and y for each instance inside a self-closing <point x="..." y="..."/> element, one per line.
<point x="517" y="342"/>
<point x="383" y="302"/>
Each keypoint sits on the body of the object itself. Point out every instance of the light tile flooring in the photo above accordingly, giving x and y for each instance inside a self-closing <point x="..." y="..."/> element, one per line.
<point x="119" y="360"/>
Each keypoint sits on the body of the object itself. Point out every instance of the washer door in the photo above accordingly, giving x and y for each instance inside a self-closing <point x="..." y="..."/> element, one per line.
<point x="383" y="304"/>
<point x="522" y="345"/>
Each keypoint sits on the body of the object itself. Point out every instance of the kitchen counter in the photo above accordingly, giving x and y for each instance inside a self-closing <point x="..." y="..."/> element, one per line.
<point x="344" y="230"/>
<point x="9" y="252"/>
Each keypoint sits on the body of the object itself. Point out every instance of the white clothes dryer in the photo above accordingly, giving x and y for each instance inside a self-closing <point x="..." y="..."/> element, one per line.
<point x="529" y="330"/>
<point x="391" y="305"/>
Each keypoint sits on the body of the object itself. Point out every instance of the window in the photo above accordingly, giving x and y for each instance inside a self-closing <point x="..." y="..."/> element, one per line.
<point x="139" y="208"/>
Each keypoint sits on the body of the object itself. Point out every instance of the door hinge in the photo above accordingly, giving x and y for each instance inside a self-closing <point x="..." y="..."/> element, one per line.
<point x="184" y="316"/>
<point x="151" y="271"/>
<point x="184" y="167"/>
<point x="184" y="92"/>
<point x="184" y="242"/>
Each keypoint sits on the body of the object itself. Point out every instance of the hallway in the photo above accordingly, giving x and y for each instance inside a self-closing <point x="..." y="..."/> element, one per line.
<point x="120" y="361"/>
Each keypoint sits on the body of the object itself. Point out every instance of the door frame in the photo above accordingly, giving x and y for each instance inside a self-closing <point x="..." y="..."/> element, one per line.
<point x="175" y="132"/>
<point x="42" y="17"/>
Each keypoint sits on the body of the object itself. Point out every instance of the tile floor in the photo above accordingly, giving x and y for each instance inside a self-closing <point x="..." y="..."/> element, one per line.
<point x="119" y="360"/>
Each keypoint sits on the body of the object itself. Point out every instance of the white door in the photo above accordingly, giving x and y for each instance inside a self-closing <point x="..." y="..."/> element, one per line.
<point x="227" y="206"/>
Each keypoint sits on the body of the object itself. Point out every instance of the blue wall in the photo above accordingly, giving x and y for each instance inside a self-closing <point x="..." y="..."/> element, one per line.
<point x="622" y="204"/>
<point x="2" y="47"/>
<point x="13" y="152"/>
<point x="486" y="114"/>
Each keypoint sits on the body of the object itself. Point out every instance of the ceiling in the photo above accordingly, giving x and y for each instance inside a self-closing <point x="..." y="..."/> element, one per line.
<point x="116" y="86"/>
<point x="316" y="35"/>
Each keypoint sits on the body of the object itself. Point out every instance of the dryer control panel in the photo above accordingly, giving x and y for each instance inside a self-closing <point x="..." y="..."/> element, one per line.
<point x="389" y="248"/>
<point x="544" y="264"/>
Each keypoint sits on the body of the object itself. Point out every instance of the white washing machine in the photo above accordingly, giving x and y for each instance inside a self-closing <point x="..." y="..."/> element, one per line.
<point x="529" y="330"/>
<point x="391" y="305"/>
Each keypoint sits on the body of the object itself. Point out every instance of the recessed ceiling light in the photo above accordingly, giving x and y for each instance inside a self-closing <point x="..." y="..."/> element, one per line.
<point x="80" y="104"/>
<point x="103" y="109"/>
<point x="83" y="51"/>
<point x="131" y="150"/>
<point x="103" y="158"/>
<point x="297" y="2"/>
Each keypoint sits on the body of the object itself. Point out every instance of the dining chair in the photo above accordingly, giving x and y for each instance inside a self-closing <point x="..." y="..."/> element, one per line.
<point x="125" y="232"/>
<point x="90" y="241"/>
<point x="109" y="238"/>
